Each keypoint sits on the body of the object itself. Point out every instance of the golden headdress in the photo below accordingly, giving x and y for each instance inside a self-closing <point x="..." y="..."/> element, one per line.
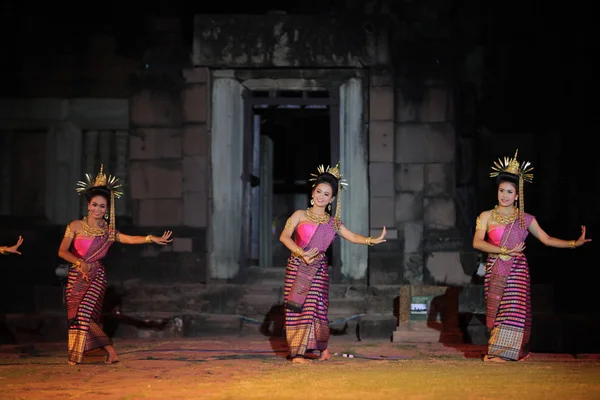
<point x="112" y="184"/>
<point x="342" y="184"/>
<point x="522" y="171"/>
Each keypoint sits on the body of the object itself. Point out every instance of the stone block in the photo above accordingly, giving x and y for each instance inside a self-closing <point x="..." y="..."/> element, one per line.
<point x="155" y="143"/>
<point x="413" y="237"/>
<point x="435" y="106"/>
<point x="100" y="113"/>
<point x="182" y="245"/>
<point x="196" y="75"/>
<point x="40" y="109"/>
<point x="381" y="179"/>
<point x="424" y="143"/>
<point x="410" y="177"/>
<point x="155" y="180"/>
<point x="381" y="79"/>
<point x="163" y="213"/>
<point x="195" y="103"/>
<point x="413" y="268"/>
<point x="148" y="108"/>
<point x="382" y="211"/>
<point x="439" y="179"/>
<point x="195" y="140"/>
<point x="445" y="268"/>
<point x="381" y="103"/>
<point x="381" y="141"/>
<point x="409" y="207"/>
<point x="195" y="174"/>
<point x="440" y="213"/>
<point x="195" y="209"/>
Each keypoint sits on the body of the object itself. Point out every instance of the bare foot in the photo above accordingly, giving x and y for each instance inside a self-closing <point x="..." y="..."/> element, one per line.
<point x="525" y="358"/>
<point x="112" y="355"/>
<point x="493" y="359"/>
<point x="72" y="363"/>
<point x="324" y="355"/>
<point x="300" y="360"/>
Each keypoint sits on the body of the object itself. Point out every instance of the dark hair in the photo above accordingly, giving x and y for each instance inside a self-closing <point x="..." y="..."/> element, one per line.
<point x="328" y="179"/>
<point x="98" y="191"/>
<point x="510" y="178"/>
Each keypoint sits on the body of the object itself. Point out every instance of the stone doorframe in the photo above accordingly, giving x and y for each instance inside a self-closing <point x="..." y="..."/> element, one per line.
<point x="227" y="155"/>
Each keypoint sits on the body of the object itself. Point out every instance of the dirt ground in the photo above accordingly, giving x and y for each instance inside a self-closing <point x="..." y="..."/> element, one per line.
<point x="255" y="367"/>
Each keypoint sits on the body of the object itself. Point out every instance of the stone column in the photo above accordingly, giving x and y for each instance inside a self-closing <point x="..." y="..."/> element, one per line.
<point x="227" y="129"/>
<point x="354" y="167"/>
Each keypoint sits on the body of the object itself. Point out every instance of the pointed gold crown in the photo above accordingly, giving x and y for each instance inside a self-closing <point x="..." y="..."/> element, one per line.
<point x="111" y="182"/>
<point x="512" y="166"/>
<point x="335" y="171"/>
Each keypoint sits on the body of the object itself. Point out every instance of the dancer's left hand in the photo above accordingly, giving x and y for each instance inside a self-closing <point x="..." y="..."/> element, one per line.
<point x="582" y="240"/>
<point x="13" y="249"/>
<point x="380" y="238"/>
<point x="164" y="239"/>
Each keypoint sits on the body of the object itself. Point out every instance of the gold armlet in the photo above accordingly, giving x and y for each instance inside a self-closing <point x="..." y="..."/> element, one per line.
<point x="478" y="224"/>
<point x="69" y="233"/>
<point x="149" y="239"/>
<point x="572" y="244"/>
<point x="289" y="224"/>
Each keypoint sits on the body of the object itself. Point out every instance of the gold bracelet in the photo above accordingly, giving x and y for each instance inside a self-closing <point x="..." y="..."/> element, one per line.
<point x="572" y="244"/>
<point x="298" y="252"/>
<point x="3" y="250"/>
<point x="368" y="241"/>
<point x="503" y="250"/>
<point x="149" y="239"/>
<point x="78" y="263"/>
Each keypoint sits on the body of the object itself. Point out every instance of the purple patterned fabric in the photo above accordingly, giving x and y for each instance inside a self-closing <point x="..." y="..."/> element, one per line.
<point x="510" y="238"/>
<point x="321" y="239"/>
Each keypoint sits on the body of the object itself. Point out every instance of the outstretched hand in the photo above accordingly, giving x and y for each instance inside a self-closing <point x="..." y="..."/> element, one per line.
<point x="164" y="239"/>
<point x="13" y="249"/>
<point x="582" y="240"/>
<point x="380" y="238"/>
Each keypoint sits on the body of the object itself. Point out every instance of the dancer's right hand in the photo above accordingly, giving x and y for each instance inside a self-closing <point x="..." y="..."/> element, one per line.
<point x="85" y="271"/>
<point x="308" y="255"/>
<point x="518" y="249"/>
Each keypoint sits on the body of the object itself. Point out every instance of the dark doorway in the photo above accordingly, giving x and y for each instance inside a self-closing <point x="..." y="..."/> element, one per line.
<point x="301" y="140"/>
<point x="292" y="133"/>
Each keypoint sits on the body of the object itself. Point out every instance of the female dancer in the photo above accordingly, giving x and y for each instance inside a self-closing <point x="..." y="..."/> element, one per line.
<point x="91" y="238"/>
<point x="501" y="233"/>
<point x="12" y="249"/>
<point x="306" y="291"/>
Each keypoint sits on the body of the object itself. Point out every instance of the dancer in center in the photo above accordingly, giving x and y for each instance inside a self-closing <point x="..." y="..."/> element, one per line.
<point x="306" y="292"/>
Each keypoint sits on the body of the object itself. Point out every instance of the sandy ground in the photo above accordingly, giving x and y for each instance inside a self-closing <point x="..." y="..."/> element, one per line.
<point x="255" y="367"/>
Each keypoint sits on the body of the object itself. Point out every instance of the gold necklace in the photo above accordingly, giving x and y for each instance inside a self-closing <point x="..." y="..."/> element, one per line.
<point x="504" y="220"/>
<point x="91" y="231"/>
<point x="319" y="219"/>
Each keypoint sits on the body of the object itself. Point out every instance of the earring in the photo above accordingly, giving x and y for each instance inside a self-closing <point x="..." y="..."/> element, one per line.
<point x="329" y="207"/>
<point x="106" y="216"/>
<point x="312" y="202"/>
